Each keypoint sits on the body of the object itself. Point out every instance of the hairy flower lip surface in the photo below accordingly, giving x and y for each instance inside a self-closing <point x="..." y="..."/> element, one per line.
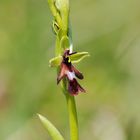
<point x="70" y="72"/>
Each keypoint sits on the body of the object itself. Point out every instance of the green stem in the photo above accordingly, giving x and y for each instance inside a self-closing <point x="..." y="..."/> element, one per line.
<point x="71" y="105"/>
<point x="72" y="117"/>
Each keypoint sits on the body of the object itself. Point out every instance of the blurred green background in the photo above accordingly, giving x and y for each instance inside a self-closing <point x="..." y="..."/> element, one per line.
<point x="109" y="30"/>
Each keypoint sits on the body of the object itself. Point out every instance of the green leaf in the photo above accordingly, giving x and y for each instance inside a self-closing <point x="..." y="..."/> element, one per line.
<point x="54" y="133"/>
<point x="56" y="61"/>
<point x="77" y="57"/>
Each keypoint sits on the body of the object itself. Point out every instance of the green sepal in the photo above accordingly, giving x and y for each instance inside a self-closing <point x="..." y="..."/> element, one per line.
<point x="77" y="57"/>
<point x="52" y="130"/>
<point x="56" y="61"/>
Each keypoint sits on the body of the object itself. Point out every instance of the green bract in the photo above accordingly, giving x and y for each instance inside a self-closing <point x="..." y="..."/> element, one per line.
<point x="55" y="12"/>
<point x="55" y="27"/>
<point x="62" y="5"/>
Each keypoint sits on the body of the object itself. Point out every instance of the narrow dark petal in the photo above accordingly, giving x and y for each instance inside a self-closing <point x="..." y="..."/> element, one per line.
<point x="77" y="73"/>
<point x="74" y="88"/>
<point x="61" y="74"/>
<point x="67" y="53"/>
<point x="72" y="53"/>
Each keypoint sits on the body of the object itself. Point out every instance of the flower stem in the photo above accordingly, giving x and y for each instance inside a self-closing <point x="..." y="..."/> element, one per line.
<point x="73" y="121"/>
<point x="72" y="117"/>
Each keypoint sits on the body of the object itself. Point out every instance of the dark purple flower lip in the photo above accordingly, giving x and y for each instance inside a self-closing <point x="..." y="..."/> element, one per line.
<point x="70" y="72"/>
<point x="74" y="87"/>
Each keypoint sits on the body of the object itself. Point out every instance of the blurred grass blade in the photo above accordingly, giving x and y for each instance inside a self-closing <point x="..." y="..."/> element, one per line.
<point x="54" y="133"/>
<point x="77" y="57"/>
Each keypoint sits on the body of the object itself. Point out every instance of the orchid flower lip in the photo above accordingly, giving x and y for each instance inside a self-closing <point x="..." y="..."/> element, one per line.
<point x="74" y="87"/>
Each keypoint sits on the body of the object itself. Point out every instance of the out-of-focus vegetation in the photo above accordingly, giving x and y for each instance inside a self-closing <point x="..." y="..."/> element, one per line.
<point x="109" y="30"/>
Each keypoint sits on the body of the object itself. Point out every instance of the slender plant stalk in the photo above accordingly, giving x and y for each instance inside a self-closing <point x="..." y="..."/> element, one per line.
<point x="73" y="120"/>
<point x="71" y="105"/>
<point x="72" y="117"/>
<point x="63" y="22"/>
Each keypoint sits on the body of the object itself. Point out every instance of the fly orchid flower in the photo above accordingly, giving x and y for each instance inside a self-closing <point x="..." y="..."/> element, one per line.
<point x="70" y="72"/>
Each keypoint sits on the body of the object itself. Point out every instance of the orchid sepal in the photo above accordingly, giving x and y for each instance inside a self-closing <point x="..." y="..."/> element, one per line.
<point x="77" y="57"/>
